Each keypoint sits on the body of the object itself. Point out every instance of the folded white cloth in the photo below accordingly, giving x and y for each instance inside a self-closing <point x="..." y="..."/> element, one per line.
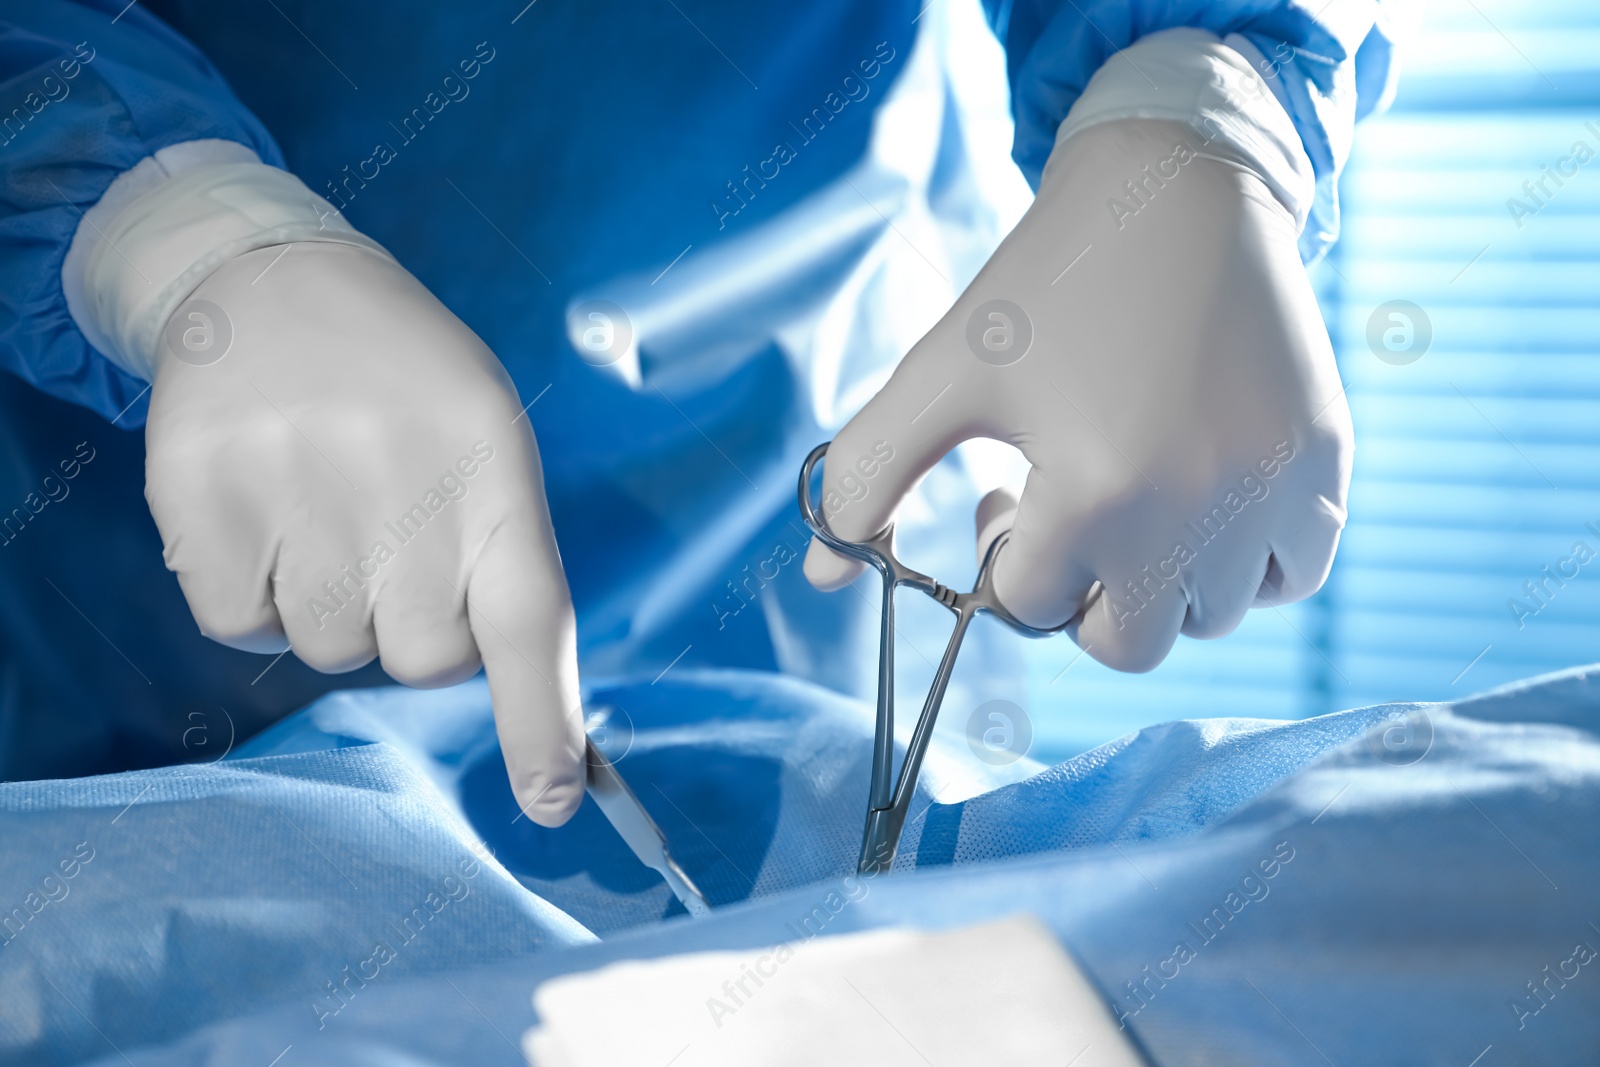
<point x="998" y="993"/>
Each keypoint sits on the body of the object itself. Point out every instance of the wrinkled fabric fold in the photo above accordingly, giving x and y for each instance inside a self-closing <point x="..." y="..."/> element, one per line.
<point x="1389" y="879"/>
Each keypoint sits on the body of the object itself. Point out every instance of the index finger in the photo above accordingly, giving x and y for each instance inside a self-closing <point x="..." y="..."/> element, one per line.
<point x="522" y="621"/>
<point x="880" y="455"/>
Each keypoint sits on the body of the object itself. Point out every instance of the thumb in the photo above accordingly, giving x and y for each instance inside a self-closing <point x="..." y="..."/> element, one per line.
<point x="522" y="621"/>
<point x="996" y="514"/>
<point x="920" y="414"/>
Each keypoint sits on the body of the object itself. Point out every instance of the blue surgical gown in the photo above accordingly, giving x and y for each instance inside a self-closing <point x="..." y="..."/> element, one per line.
<point x="781" y="197"/>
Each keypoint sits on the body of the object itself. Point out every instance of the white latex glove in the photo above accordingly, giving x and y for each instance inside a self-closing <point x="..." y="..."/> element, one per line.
<point x="350" y="475"/>
<point x="1179" y="373"/>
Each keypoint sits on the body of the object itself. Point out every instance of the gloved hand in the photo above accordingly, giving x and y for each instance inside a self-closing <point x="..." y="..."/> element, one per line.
<point x="353" y="478"/>
<point x="336" y="463"/>
<point x="1165" y="370"/>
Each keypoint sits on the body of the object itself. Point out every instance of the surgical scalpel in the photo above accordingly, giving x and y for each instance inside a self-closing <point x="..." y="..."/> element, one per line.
<point x="889" y="799"/>
<point x="638" y="829"/>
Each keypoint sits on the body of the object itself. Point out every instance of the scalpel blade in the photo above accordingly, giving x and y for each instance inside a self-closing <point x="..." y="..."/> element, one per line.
<point x="638" y="830"/>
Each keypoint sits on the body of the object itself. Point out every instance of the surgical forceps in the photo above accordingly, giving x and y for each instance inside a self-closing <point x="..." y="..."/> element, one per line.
<point x="886" y="806"/>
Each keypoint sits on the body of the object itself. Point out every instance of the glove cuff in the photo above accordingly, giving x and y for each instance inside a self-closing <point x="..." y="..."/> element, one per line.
<point x="166" y="224"/>
<point x="1195" y="77"/>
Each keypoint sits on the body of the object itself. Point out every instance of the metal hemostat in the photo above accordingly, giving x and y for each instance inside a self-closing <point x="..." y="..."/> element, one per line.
<point x="890" y="798"/>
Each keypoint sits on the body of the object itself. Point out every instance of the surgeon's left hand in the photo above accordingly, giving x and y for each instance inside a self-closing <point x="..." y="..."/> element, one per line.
<point x="1168" y="376"/>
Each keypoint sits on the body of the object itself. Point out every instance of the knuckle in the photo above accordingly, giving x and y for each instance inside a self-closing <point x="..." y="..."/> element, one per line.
<point x="430" y="665"/>
<point x="336" y="661"/>
<point x="1033" y="603"/>
<point x="334" y="651"/>
<point x="260" y="633"/>
<point x="1213" y="621"/>
<point x="1130" y="633"/>
<point x="238" y="622"/>
<point x="1131" y="657"/>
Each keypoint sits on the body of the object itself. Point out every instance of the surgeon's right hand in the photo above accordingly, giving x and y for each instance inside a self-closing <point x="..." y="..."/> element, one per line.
<point x="338" y="465"/>
<point x="1159" y="392"/>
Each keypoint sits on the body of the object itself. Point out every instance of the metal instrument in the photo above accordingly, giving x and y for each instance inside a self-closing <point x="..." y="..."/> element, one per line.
<point x="890" y="798"/>
<point x="640" y="831"/>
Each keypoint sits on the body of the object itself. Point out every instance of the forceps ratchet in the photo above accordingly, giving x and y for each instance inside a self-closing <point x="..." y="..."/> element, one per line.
<point x="890" y="798"/>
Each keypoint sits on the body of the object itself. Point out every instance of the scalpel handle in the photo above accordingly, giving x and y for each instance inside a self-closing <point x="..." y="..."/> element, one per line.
<point x="637" y="829"/>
